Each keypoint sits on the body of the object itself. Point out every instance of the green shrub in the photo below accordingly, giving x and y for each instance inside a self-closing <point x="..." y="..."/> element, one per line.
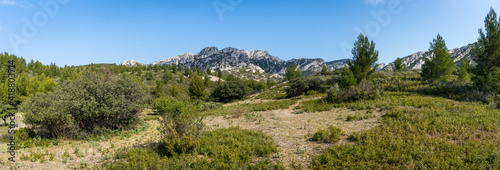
<point x="230" y="91"/>
<point x="347" y="79"/>
<point x="89" y="104"/>
<point x="366" y="90"/>
<point x="179" y="117"/>
<point x="296" y="87"/>
<point x="331" y="93"/>
<point x="330" y="135"/>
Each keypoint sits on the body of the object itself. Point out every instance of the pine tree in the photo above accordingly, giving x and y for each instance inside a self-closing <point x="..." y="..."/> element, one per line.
<point x="174" y="68"/>
<point x="364" y="57"/>
<point x="324" y="70"/>
<point x="196" y="88"/>
<point x="486" y="55"/>
<point x="209" y="72"/>
<point x="398" y="64"/>
<point x="440" y="66"/>
<point x="292" y="72"/>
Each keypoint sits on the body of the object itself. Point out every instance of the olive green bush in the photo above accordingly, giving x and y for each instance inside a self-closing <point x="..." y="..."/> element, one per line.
<point x="230" y="91"/>
<point x="91" y="104"/>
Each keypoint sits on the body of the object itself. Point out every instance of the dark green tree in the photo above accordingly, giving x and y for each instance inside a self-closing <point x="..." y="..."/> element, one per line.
<point x="230" y="91"/>
<point x="196" y="88"/>
<point x="398" y="64"/>
<point x="324" y="70"/>
<point x="206" y="80"/>
<point x="364" y="57"/>
<point x="187" y="71"/>
<point x="292" y="72"/>
<point x="486" y="55"/>
<point x="209" y="72"/>
<point x="440" y="66"/>
<point x="174" y="68"/>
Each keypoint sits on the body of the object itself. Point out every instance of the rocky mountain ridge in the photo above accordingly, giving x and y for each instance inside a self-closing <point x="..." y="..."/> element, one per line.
<point x="416" y="60"/>
<point x="230" y="58"/>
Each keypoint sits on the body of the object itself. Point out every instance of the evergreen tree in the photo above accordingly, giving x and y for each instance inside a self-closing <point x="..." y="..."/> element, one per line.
<point x="486" y="55"/>
<point x="196" y="88"/>
<point x="398" y="64"/>
<point x="206" y="80"/>
<point x="209" y="72"/>
<point x="440" y="66"/>
<point x="364" y="57"/>
<point x="174" y="68"/>
<point x="292" y="72"/>
<point x="324" y="70"/>
<point x="219" y="73"/>
<point x="187" y="72"/>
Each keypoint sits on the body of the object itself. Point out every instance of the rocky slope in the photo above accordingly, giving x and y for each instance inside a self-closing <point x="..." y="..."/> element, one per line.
<point x="131" y="63"/>
<point x="416" y="60"/>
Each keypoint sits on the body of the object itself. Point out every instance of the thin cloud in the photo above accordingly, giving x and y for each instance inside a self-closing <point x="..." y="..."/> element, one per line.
<point x="375" y="2"/>
<point x="8" y="2"/>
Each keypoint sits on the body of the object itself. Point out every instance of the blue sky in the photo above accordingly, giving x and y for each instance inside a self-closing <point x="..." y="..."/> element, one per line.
<point x="78" y="32"/>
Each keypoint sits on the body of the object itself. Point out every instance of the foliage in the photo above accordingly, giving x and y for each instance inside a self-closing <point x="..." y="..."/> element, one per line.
<point x="292" y="72"/>
<point x="5" y="111"/>
<point x="486" y="55"/>
<point x="364" y="58"/>
<point x="366" y="90"/>
<point x="398" y="64"/>
<point x="230" y="91"/>
<point x="324" y="70"/>
<point x="330" y="135"/>
<point x="196" y="88"/>
<point x="331" y="94"/>
<point x="347" y="79"/>
<point x="296" y="87"/>
<point x="440" y="66"/>
<point x="91" y="103"/>
<point x="179" y="118"/>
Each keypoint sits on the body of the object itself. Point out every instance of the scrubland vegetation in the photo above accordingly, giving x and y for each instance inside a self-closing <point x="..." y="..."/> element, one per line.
<point x="106" y="116"/>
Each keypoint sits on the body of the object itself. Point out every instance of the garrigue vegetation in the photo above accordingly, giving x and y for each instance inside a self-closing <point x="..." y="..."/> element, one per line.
<point x="440" y="117"/>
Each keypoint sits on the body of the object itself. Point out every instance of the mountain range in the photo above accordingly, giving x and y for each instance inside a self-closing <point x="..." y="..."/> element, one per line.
<point x="231" y="58"/>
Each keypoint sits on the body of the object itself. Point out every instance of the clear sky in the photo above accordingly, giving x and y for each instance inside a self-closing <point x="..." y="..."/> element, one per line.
<point x="79" y="32"/>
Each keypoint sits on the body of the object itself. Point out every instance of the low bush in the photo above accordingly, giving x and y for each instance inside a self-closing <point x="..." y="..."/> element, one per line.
<point x="330" y="135"/>
<point x="366" y="90"/>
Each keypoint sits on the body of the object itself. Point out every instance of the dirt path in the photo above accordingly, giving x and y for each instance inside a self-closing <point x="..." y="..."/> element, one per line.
<point x="291" y="132"/>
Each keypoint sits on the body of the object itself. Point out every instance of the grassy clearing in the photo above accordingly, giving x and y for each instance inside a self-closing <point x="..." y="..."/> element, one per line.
<point x="420" y="132"/>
